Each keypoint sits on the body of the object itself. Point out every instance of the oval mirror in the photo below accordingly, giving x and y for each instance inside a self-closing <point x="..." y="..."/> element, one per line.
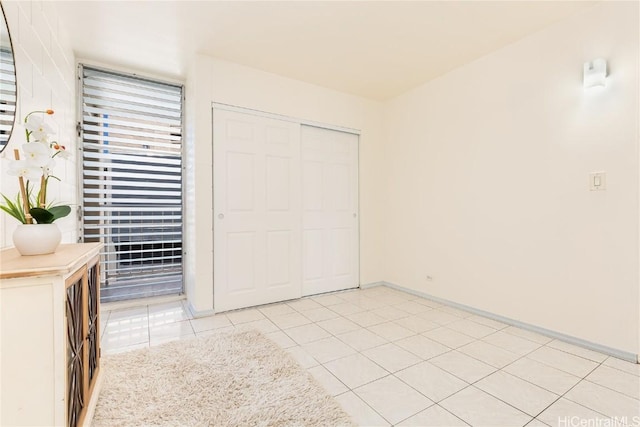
<point x="8" y="86"/>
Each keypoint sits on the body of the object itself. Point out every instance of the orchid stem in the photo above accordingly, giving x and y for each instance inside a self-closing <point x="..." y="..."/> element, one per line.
<point x="23" y="192"/>
<point x="43" y="192"/>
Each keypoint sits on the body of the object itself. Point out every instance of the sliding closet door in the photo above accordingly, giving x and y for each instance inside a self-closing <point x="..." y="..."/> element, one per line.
<point x="257" y="217"/>
<point x="329" y="210"/>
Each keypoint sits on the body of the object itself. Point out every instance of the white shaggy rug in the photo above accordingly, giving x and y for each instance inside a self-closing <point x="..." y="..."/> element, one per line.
<point x="225" y="379"/>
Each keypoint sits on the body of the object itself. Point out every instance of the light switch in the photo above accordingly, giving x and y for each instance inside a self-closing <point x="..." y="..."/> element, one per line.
<point x="597" y="181"/>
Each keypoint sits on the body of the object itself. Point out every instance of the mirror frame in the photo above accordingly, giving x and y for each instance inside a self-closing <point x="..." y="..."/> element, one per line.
<point x="3" y="145"/>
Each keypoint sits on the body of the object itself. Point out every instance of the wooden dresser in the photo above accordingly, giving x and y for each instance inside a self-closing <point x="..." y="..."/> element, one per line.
<point x="49" y="335"/>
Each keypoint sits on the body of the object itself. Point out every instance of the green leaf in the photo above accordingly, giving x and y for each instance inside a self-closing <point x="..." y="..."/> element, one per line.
<point x="42" y="216"/>
<point x="47" y="216"/>
<point x="59" y="211"/>
<point x="14" y="209"/>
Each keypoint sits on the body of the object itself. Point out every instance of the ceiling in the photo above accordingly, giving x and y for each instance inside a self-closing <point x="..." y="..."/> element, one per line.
<point x="374" y="49"/>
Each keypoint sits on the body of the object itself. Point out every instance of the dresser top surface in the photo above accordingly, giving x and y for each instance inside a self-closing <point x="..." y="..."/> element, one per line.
<point x="67" y="256"/>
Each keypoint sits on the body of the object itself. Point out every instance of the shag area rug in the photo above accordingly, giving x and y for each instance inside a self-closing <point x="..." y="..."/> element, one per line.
<point x="225" y="379"/>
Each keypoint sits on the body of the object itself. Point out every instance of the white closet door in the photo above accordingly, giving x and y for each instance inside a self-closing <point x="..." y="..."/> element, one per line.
<point x="329" y="210"/>
<point x="257" y="216"/>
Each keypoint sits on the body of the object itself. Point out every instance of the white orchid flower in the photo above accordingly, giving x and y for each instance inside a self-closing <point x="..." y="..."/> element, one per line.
<point x="61" y="151"/>
<point x="39" y="129"/>
<point x="63" y="154"/>
<point x="47" y="170"/>
<point x="25" y="169"/>
<point x="37" y="153"/>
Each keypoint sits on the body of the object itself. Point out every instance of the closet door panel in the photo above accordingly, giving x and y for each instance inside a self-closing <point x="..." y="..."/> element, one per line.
<point x="330" y="210"/>
<point x="257" y="213"/>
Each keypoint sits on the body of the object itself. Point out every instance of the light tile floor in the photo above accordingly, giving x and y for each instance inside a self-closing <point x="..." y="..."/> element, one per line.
<point x="391" y="358"/>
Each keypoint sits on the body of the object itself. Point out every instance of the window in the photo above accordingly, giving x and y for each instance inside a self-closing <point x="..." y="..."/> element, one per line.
<point x="131" y="131"/>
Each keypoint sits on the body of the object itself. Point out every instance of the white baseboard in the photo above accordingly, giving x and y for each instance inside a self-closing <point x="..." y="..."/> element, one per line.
<point x="199" y="313"/>
<point x="620" y="354"/>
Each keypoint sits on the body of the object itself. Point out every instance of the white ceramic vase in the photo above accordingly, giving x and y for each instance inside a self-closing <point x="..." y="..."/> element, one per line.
<point x="37" y="239"/>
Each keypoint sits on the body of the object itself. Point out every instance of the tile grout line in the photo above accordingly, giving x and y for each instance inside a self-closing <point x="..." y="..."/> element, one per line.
<point x="537" y="385"/>
<point x="360" y="352"/>
<point x="148" y="327"/>
<point x="572" y="387"/>
<point x="349" y="389"/>
<point x="621" y="370"/>
<point x="439" y="406"/>
<point x="366" y="404"/>
<point x="480" y="379"/>
<point x="427" y="360"/>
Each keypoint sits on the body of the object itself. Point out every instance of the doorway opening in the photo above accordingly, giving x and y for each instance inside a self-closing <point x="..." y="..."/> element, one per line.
<point x="131" y="142"/>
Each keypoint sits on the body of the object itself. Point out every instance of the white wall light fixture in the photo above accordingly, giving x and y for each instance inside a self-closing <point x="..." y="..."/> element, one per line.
<point x="595" y="73"/>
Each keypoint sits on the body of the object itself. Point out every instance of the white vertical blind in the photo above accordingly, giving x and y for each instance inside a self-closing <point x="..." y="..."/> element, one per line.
<point x="8" y="89"/>
<point x="132" y="182"/>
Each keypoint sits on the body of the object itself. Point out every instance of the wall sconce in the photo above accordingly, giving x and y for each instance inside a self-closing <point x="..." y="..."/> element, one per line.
<point x="595" y="73"/>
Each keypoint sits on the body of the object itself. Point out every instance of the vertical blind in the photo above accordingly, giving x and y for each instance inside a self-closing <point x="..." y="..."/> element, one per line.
<point x="131" y="132"/>
<point x="8" y="88"/>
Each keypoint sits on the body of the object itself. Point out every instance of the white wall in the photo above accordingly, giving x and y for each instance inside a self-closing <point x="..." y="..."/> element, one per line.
<point x="488" y="193"/>
<point x="212" y="80"/>
<point x="45" y="67"/>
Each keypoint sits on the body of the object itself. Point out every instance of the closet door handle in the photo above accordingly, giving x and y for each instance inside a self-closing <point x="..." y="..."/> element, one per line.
<point x="220" y="216"/>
